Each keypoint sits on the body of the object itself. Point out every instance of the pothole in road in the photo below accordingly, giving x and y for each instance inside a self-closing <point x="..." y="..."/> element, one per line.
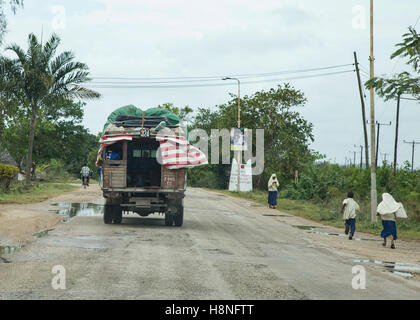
<point x="71" y="210"/>
<point x="403" y="269"/>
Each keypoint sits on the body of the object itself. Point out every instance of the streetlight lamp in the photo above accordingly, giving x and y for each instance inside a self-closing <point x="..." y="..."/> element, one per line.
<point x="239" y="152"/>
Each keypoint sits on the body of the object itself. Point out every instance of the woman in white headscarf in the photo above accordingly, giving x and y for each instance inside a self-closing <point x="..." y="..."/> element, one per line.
<point x="273" y="184"/>
<point x="389" y="210"/>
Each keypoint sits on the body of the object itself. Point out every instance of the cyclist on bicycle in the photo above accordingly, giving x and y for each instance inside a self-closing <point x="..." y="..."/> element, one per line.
<point x="86" y="173"/>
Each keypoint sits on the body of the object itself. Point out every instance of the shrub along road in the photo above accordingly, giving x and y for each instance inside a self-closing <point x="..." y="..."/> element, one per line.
<point x="228" y="248"/>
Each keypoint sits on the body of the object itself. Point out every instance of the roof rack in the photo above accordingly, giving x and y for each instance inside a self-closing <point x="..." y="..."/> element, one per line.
<point x="135" y="121"/>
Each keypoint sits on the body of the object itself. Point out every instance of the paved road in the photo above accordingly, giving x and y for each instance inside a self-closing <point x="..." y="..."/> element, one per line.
<point x="227" y="249"/>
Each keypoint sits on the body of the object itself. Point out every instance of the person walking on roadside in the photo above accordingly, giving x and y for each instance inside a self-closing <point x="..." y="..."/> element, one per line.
<point x="273" y="184"/>
<point x="349" y="209"/>
<point x="389" y="210"/>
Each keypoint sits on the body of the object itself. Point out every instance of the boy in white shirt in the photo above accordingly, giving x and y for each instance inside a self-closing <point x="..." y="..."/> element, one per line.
<point x="349" y="214"/>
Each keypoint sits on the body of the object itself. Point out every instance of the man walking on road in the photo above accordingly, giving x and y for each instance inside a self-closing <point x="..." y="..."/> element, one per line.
<point x="86" y="173"/>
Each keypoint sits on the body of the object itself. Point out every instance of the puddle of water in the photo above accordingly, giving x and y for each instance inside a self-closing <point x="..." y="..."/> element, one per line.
<point x="7" y="249"/>
<point x="404" y="268"/>
<point x="251" y="204"/>
<point x="307" y="227"/>
<point x="403" y="274"/>
<point x="42" y="233"/>
<point x="340" y="235"/>
<point x="275" y="215"/>
<point x="78" y="209"/>
<point x="399" y="268"/>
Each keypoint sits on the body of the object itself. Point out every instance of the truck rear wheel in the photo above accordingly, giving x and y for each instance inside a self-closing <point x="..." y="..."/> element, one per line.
<point x="117" y="215"/>
<point x="108" y="214"/>
<point x="169" y="220"/>
<point x="179" y="218"/>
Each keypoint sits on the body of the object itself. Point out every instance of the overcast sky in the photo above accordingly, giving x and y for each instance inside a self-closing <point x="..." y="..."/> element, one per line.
<point x="174" y="38"/>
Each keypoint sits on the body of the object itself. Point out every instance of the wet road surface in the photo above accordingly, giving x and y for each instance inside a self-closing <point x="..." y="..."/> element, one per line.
<point x="226" y="249"/>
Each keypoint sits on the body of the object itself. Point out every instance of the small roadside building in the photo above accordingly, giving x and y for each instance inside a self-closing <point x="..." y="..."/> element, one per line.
<point x="6" y="158"/>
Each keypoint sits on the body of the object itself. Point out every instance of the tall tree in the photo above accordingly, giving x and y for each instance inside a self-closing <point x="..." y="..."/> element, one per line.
<point x="41" y="79"/>
<point x="402" y="83"/>
<point x="8" y="105"/>
<point x="409" y="48"/>
<point x="287" y="134"/>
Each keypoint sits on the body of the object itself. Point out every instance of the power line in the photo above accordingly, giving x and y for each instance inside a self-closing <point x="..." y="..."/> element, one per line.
<point x="248" y="75"/>
<point x="116" y="86"/>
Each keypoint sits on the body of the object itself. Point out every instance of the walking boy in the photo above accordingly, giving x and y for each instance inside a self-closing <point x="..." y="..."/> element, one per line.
<point x="349" y="214"/>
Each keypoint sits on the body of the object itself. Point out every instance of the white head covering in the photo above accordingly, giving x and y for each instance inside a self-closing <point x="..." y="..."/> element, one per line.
<point x="272" y="179"/>
<point x="389" y="205"/>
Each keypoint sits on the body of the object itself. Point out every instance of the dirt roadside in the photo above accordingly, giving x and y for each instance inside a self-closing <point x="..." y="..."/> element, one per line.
<point x="19" y="222"/>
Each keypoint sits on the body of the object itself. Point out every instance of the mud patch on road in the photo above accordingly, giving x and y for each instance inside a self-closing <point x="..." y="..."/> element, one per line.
<point x="71" y="210"/>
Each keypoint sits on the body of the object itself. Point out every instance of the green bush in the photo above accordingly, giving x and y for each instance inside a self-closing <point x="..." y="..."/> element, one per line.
<point x="328" y="184"/>
<point x="55" y="170"/>
<point x="7" y="173"/>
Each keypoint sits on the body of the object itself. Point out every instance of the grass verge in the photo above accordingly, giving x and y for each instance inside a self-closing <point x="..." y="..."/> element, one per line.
<point x="328" y="214"/>
<point x="38" y="192"/>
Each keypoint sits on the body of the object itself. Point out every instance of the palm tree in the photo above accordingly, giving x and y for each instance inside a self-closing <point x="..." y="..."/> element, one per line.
<point x="42" y="79"/>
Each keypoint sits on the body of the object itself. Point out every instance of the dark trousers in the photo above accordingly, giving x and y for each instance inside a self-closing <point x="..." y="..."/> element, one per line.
<point x="351" y="223"/>
<point x="272" y="198"/>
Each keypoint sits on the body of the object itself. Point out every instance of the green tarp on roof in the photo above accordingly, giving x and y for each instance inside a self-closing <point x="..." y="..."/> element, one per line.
<point x="132" y="110"/>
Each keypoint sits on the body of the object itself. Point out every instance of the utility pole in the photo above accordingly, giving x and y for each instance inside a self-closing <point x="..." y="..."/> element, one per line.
<point x="377" y="140"/>
<point x="412" y="153"/>
<point x="373" y="192"/>
<point x="363" y="108"/>
<point x="361" y="156"/>
<point x="396" y="133"/>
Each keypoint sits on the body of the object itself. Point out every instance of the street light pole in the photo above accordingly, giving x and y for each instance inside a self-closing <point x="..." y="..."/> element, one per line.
<point x="238" y="152"/>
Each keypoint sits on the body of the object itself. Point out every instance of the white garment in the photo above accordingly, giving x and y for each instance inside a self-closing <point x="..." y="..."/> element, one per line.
<point x="350" y="209"/>
<point x="388" y="217"/>
<point x="389" y="205"/>
<point x="273" y="183"/>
